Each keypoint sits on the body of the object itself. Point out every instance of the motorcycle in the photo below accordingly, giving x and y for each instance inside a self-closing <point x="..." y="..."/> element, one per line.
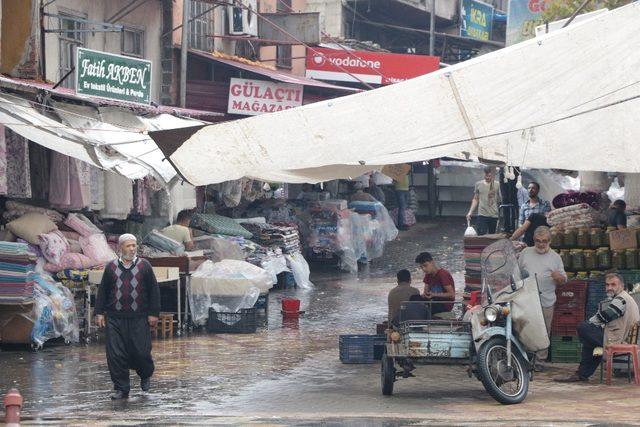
<point x="496" y="340"/>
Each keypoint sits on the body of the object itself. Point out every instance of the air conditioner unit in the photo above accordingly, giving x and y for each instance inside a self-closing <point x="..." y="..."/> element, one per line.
<point x="242" y="18"/>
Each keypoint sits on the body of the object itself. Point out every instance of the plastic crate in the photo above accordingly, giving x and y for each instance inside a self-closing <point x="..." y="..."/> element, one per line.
<point x="565" y="349"/>
<point x="379" y="342"/>
<point x="243" y="322"/>
<point x="356" y="348"/>
<point x="564" y="330"/>
<point x="567" y="317"/>
<point x="572" y="294"/>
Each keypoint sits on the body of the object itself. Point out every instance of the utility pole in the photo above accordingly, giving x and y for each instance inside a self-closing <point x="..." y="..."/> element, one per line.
<point x="432" y="27"/>
<point x="431" y="173"/>
<point x="184" y="46"/>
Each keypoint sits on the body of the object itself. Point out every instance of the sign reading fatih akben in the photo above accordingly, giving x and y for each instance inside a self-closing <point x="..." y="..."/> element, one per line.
<point x="113" y="76"/>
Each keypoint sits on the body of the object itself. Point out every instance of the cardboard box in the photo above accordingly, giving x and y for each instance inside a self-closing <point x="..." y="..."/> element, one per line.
<point x="623" y="239"/>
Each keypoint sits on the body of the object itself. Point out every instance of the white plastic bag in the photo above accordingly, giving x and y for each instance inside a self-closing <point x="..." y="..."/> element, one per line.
<point x="470" y="231"/>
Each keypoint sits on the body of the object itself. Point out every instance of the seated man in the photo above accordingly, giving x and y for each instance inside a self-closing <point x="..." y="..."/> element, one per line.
<point x="401" y="293"/>
<point x="610" y="325"/>
<point x="438" y="284"/>
<point x="180" y="231"/>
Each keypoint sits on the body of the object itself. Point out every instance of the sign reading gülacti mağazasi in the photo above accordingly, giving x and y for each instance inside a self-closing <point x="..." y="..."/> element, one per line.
<point x="113" y="76"/>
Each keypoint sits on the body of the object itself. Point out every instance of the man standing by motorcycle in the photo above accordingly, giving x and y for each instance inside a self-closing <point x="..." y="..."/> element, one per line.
<point x="543" y="262"/>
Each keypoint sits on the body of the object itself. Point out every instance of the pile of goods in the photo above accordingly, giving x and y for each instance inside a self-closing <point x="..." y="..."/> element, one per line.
<point x="473" y="247"/>
<point x="16" y="272"/>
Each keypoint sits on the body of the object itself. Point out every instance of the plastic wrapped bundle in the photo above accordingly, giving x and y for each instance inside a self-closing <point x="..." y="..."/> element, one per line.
<point x="54" y="313"/>
<point x="581" y="215"/>
<point x="228" y="285"/>
<point x="163" y="243"/>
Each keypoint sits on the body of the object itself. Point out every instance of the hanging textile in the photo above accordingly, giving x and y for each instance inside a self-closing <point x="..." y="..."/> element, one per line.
<point x="84" y="175"/>
<point x="97" y="189"/>
<point x="18" y="175"/>
<point x="141" y="203"/>
<point x="3" y="162"/>
<point x="69" y="184"/>
<point x="39" y="157"/>
<point x="118" y="196"/>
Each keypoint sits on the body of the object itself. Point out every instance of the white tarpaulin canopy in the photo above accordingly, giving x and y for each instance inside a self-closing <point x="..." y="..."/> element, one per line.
<point x="110" y="138"/>
<point x="567" y="100"/>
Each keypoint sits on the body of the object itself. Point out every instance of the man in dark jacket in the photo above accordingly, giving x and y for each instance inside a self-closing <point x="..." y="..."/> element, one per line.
<point x="130" y="297"/>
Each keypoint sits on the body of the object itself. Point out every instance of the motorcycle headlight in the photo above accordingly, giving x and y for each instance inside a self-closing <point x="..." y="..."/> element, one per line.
<point x="491" y="313"/>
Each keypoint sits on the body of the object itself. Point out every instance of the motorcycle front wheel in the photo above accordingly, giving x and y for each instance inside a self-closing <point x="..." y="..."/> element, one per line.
<point x="504" y="384"/>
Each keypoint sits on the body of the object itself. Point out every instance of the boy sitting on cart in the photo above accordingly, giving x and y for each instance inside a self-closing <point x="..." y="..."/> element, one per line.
<point x="438" y="285"/>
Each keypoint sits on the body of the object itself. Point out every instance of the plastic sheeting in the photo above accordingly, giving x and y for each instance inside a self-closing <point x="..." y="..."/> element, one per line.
<point x="576" y="108"/>
<point x="54" y="313"/>
<point x="300" y="270"/>
<point x="228" y="285"/>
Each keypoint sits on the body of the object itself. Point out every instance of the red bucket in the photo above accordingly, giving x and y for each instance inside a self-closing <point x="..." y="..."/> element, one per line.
<point x="290" y="306"/>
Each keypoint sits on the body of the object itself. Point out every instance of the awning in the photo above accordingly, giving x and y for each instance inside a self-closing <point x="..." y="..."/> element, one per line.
<point x="106" y="136"/>
<point x="272" y="74"/>
<point x="569" y="99"/>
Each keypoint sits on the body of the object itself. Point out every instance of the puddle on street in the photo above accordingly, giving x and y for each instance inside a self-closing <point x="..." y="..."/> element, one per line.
<point x="201" y="370"/>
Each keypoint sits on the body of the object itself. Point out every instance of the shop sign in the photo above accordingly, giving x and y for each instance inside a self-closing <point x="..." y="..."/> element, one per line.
<point x="369" y="67"/>
<point x="476" y="20"/>
<point x="253" y="97"/>
<point x="118" y="77"/>
<point x="522" y="19"/>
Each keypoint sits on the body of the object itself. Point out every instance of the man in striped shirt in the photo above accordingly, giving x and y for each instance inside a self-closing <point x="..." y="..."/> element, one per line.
<point x="535" y="204"/>
<point x="610" y="325"/>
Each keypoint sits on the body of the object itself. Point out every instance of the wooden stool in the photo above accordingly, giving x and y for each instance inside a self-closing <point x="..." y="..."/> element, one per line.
<point x="165" y="325"/>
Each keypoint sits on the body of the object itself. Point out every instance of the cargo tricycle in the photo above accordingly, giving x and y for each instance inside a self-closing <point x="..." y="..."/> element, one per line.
<point x="496" y="340"/>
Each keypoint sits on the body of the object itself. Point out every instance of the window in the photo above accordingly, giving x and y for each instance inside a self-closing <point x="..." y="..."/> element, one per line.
<point x="132" y="42"/>
<point x="70" y="39"/>
<point x="283" y="6"/>
<point x="283" y="55"/>
<point x="201" y="27"/>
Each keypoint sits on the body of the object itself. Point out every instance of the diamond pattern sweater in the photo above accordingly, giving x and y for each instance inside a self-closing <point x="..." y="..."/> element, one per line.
<point x="128" y="292"/>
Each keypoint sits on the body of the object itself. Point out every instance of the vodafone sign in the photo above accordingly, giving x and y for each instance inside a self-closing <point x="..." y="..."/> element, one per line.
<point x="369" y="67"/>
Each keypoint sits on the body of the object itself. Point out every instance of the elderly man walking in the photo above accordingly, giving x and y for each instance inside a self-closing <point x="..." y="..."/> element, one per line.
<point x="612" y="324"/>
<point x="543" y="262"/>
<point x="129" y="296"/>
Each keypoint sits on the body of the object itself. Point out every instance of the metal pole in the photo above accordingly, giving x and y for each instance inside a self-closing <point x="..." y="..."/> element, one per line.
<point x="184" y="46"/>
<point x="577" y="11"/>
<point x="432" y="28"/>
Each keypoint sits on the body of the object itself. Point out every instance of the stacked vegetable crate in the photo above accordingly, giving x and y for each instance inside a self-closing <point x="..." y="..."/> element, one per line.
<point x="569" y="311"/>
<point x="595" y="294"/>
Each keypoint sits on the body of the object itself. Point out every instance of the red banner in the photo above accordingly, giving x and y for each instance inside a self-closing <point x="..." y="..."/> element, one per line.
<point x="369" y="67"/>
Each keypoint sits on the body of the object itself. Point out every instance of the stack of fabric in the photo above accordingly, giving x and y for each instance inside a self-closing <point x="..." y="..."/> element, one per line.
<point x="16" y="272"/>
<point x="286" y="238"/>
<point x="473" y="247"/>
<point x="581" y="215"/>
<point x="324" y="236"/>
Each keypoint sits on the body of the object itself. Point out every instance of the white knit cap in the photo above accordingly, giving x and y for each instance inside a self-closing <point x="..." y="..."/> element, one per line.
<point x="126" y="237"/>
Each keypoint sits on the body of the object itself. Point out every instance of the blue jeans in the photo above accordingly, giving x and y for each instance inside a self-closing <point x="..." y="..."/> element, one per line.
<point x="402" y="198"/>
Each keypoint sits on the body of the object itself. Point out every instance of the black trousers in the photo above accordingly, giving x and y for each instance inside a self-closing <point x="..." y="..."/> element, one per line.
<point x="486" y="225"/>
<point x="591" y="337"/>
<point x="128" y="347"/>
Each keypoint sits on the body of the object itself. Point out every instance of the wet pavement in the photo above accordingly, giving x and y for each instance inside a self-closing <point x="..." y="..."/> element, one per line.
<point x="290" y="373"/>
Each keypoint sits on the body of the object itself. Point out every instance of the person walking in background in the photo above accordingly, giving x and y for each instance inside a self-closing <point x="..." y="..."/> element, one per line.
<point x="535" y="204"/>
<point x="129" y="296"/>
<point x="402" y="197"/>
<point x="486" y="198"/>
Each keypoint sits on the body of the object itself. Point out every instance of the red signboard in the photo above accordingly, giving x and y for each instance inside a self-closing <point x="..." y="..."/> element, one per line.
<point x="369" y="67"/>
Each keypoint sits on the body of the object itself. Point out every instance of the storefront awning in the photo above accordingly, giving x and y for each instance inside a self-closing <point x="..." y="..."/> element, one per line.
<point x="279" y="76"/>
<point x="569" y="99"/>
<point x="106" y="136"/>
